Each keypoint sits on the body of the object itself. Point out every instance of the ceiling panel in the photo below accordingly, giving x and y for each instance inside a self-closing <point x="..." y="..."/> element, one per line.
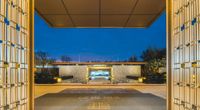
<point x="99" y="13"/>
<point x="140" y="20"/>
<point x="117" y="6"/>
<point x="113" y="20"/>
<point x="149" y="6"/>
<point x="50" y="6"/>
<point x="59" y="20"/>
<point x="86" y="20"/>
<point x="82" y="6"/>
<point x="83" y="12"/>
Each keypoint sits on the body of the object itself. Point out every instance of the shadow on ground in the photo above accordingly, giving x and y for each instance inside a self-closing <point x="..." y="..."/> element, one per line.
<point x="94" y="99"/>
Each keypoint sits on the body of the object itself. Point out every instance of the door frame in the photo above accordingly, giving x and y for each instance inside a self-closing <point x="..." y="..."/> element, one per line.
<point x="169" y="52"/>
<point x="31" y="55"/>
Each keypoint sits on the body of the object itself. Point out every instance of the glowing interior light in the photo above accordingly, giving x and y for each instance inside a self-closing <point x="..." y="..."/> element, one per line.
<point x="99" y="74"/>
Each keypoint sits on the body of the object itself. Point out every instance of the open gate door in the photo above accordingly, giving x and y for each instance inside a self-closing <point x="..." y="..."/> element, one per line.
<point x="183" y="54"/>
<point x="15" y="54"/>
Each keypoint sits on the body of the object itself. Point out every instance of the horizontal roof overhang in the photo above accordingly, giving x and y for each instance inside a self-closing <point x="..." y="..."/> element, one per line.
<point x="99" y="13"/>
<point x="99" y="63"/>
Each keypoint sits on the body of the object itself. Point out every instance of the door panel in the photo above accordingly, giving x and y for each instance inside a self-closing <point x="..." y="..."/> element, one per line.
<point x="14" y="37"/>
<point x="185" y="18"/>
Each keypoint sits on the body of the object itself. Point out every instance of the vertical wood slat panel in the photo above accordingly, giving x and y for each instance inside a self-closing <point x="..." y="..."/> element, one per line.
<point x="14" y="35"/>
<point x="185" y="29"/>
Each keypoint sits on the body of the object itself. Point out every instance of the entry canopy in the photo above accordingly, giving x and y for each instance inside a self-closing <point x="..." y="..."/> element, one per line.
<point x="99" y="13"/>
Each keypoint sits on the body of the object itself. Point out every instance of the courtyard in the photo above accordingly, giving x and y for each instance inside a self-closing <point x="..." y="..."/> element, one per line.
<point x="100" y="97"/>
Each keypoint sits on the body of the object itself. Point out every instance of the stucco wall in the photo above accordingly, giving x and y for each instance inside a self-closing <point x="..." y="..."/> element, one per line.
<point x="79" y="72"/>
<point x="121" y="71"/>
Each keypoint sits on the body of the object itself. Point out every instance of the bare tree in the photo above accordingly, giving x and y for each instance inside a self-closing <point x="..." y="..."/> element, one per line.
<point x="42" y="59"/>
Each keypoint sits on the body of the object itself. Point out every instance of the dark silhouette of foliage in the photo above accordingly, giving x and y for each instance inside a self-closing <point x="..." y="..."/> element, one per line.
<point x="156" y="59"/>
<point x="133" y="58"/>
<point x="153" y="53"/>
<point x="65" y="58"/>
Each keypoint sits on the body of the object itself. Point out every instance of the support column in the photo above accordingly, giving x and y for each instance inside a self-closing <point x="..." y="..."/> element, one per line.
<point x="31" y="55"/>
<point x="169" y="53"/>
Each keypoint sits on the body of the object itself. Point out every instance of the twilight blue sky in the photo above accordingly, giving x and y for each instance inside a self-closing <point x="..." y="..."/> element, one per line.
<point x="99" y="43"/>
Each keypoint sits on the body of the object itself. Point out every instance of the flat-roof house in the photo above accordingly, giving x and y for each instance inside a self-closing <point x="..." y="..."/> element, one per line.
<point x="102" y="72"/>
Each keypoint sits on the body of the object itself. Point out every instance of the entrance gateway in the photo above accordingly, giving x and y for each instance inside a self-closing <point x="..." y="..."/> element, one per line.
<point x="17" y="41"/>
<point x="99" y="74"/>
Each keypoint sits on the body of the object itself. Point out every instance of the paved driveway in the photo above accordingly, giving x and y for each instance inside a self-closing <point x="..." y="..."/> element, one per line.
<point x="106" y="99"/>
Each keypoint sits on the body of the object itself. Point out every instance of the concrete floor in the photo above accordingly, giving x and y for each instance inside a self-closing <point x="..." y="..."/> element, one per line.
<point x="158" y="89"/>
<point x="100" y="99"/>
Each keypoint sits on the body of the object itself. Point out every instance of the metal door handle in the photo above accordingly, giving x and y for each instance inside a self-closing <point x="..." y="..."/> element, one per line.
<point x="194" y="107"/>
<point x="188" y="85"/>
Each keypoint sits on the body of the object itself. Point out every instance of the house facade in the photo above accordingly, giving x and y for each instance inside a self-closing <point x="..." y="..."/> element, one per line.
<point x="102" y="72"/>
